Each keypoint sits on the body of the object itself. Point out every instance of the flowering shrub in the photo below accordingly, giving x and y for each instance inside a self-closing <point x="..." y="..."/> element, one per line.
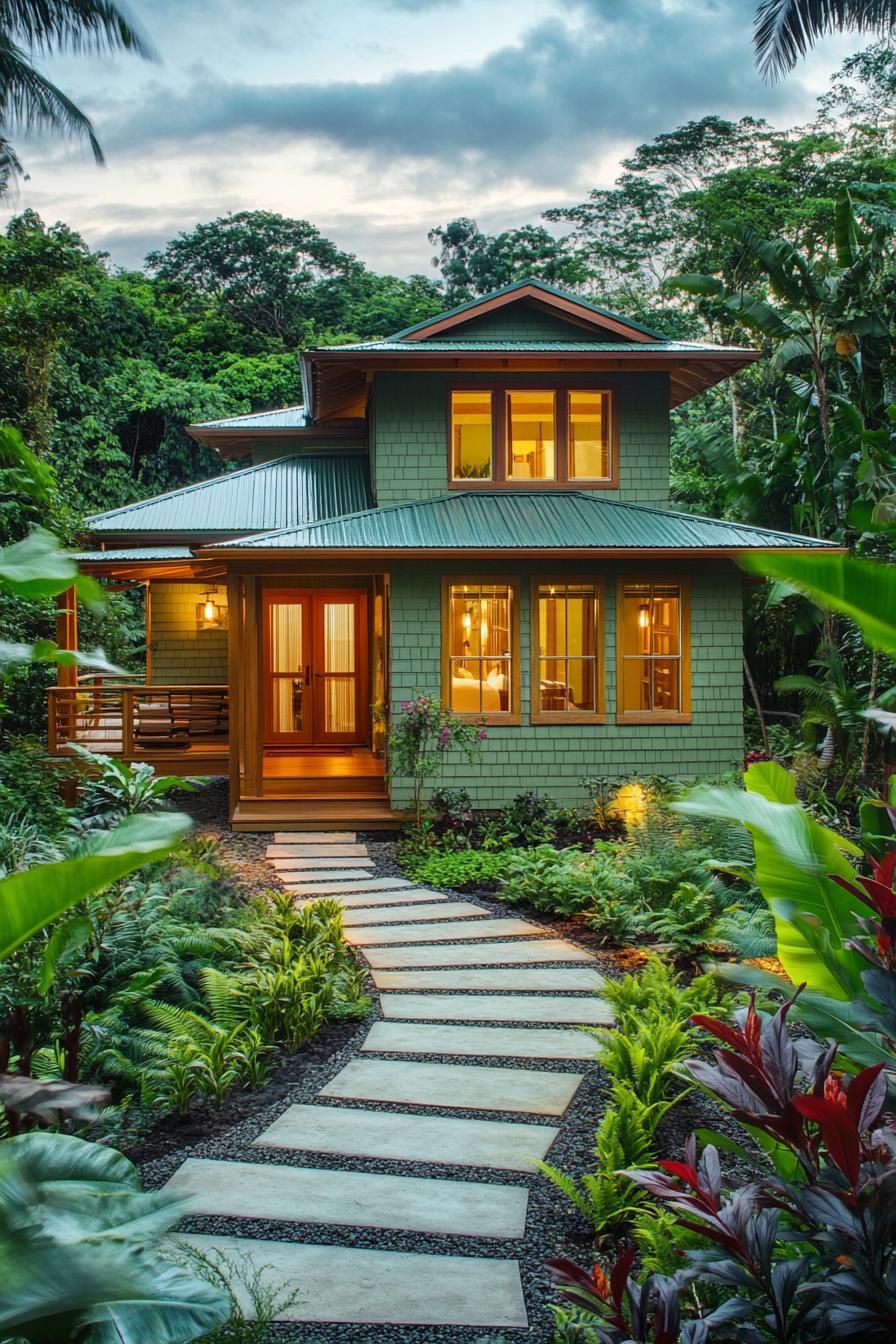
<point x="422" y="731"/>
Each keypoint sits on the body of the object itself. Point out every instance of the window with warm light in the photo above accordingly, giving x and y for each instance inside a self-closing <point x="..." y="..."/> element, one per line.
<point x="590" y="455"/>
<point x="471" y="436"/>
<point x="480" y="648"/>
<point x="654" y="651"/>
<point x="566" y="682"/>
<point x="531" y="436"/>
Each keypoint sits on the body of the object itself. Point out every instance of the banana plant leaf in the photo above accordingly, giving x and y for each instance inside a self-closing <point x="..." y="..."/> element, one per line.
<point x="34" y="898"/>
<point x="796" y="858"/>
<point x="38" y="567"/>
<point x="863" y="590"/>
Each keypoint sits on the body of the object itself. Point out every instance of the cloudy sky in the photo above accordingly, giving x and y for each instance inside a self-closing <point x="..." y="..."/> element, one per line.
<point x="377" y="119"/>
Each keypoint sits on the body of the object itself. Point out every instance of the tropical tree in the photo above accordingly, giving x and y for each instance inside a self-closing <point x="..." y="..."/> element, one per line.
<point x="788" y="29"/>
<point x="472" y="262"/>
<point x="824" y="316"/>
<point x="33" y="28"/>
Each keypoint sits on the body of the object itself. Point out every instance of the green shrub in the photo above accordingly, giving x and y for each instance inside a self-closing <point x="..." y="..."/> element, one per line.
<point x="657" y="991"/>
<point x="566" y="882"/>
<point x="687" y="921"/>
<point x="463" y="870"/>
<point x="30" y="785"/>
<point x="530" y="819"/>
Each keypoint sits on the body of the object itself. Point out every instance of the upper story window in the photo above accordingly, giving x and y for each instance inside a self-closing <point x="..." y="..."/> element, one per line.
<point x="521" y="436"/>
<point x="472" y="433"/>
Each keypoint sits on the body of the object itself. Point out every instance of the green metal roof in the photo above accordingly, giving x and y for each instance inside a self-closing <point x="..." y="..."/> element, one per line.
<point x="425" y="350"/>
<point x="137" y="554"/>
<point x="528" y="282"/>
<point x="288" y="417"/>
<point x="286" y="492"/>
<point x="523" y="520"/>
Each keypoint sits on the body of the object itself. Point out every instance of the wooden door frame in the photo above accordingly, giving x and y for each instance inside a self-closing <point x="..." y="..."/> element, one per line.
<point x="270" y="596"/>
<point x="316" y="599"/>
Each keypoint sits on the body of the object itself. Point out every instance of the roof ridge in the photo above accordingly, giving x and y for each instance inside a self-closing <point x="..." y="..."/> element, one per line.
<point x="522" y="283"/>
<point x="214" y="480"/>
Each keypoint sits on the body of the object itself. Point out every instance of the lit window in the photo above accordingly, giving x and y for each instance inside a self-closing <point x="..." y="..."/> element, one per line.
<point x="653" y="650"/>
<point x="480" y="643"/>
<point x="589" y="437"/>
<point x="568" y="639"/>
<point x="530" y="436"/>
<point x="471" y="436"/>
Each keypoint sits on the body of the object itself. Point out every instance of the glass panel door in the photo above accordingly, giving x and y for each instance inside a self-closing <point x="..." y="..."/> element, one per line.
<point x="339" y="662"/>
<point x="287" y="669"/>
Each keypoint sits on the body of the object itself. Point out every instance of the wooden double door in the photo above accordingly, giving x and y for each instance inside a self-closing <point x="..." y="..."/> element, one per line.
<point x="314" y="679"/>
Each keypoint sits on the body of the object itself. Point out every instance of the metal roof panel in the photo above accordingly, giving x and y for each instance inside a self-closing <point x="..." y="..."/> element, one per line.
<point x="286" y="492"/>
<point x="547" y="520"/>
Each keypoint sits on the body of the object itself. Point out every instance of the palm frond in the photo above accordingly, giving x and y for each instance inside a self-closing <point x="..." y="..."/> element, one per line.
<point x="28" y="100"/>
<point x="785" y="30"/>
<point x="75" y="25"/>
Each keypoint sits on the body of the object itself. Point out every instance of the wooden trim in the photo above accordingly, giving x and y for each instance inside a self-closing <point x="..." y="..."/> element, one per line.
<point x="544" y="299"/>
<point x="537" y="715"/>
<point x="147" y="622"/>
<point x="499" y="479"/>
<point x="513" y="717"/>
<point x="235" y="636"/>
<point x="67" y="634"/>
<point x="665" y="716"/>
<point x="250" y="671"/>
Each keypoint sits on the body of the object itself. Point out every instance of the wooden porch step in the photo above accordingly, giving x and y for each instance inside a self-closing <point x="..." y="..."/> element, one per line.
<point x="307" y="814"/>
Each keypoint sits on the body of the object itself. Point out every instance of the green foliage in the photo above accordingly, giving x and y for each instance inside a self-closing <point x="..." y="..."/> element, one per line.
<point x="565" y="881"/>
<point x="463" y="870"/>
<point x="642" y="1053"/>
<point x="80" y="1248"/>
<point x="797" y="862"/>
<point x="687" y="922"/>
<point x="422" y="732"/>
<point x="113" y="789"/>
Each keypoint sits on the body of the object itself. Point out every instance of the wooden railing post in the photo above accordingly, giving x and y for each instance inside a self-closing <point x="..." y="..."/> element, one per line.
<point x="127" y="721"/>
<point x="52" y="710"/>
<point x="67" y="634"/>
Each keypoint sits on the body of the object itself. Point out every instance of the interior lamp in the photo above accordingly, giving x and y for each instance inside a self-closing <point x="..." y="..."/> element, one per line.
<point x="643" y="617"/>
<point x="211" y="615"/>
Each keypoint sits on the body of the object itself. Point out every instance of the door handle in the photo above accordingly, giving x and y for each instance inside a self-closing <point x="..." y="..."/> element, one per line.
<point x="307" y="674"/>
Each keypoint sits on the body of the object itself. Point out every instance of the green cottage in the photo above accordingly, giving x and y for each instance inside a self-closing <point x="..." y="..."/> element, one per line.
<point x="474" y="508"/>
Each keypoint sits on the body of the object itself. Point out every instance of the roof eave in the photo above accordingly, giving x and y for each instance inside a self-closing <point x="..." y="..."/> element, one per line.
<point x="635" y="553"/>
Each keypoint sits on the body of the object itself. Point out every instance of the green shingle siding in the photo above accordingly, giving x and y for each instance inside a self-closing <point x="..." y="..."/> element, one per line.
<point x="410" y="435"/>
<point x="182" y="654"/>
<point x="520" y="322"/>
<point x="553" y="758"/>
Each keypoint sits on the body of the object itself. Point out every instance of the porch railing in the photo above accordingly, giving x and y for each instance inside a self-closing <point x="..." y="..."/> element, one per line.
<point x="131" y="719"/>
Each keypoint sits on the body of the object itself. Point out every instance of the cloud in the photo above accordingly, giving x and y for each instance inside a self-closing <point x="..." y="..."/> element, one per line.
<point x="603" y="71"/>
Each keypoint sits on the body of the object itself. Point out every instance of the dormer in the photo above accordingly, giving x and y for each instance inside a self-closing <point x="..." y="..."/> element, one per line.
<point x="525" y="388"/>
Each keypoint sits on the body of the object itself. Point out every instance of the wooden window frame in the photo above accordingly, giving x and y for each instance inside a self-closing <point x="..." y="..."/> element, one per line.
<point x="509" y="718"/>
<point x="644" y="716"/>
<point x="537" y="715"/>
<point x="561" y="480"/>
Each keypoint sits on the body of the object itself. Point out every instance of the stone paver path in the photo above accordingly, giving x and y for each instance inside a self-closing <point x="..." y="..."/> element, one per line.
<point x="461" y="985"/>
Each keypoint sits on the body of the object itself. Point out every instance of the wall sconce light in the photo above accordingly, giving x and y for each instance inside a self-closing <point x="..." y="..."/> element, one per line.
<point x="644" y="617"/>
<point x="211" y="615"/>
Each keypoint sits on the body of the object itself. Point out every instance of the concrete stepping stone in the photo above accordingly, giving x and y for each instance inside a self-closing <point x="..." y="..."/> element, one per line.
<point x="496" y="1008"/>
<point x="409" y="1138"/>
<point x="430" y="1038"/>
<point x="526" y="979"/>
<point x="333" y="851"/>
<point x="438" y="910"/>
<point x="382" y="901"/>
<point x="441" y="933"/>
<point x="476" y="954"/>
<point x="476" y="1087"/>
<point x="300" y="865"/>
<point x="348" y="1286"/>
<point x="343" y="878"/>
<point x="314" y="837"/>
<point x="336" y="888"/>
<point x="351" y="1198"/>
